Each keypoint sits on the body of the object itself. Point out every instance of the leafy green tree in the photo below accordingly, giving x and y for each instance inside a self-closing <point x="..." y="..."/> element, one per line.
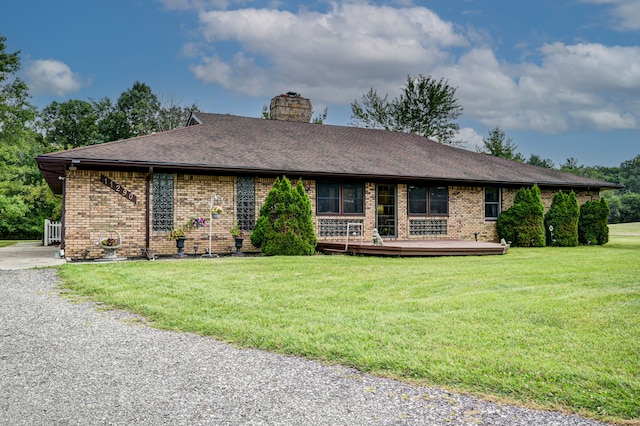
<point x="285" y="224"/>
<point x="24" y="199"/>
<point x="320" y="118"/>
<point x="499" y="145"/>
<point x="630" y="207"/>
<point x="536" y="160"/>
<point x="70" y="124"/>
<point x="173" y="115"/>
<point x="523" y="222"/>
<point x="630" y="175"/>
<point x="426" y="107"/>
<point x="140" y="107"/>
<point x="15" y="109"/>
<point x="563" y="218"/>
<point x="592" y="225"/>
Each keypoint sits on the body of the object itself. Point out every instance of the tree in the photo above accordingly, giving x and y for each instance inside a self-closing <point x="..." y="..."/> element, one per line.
<point x="523" y="222"/>
<point x="172" y="115"/>
<point x="536" y="160"/>
<point x="425" y="107"/>
<point x="563" y="218"/>
<point x="24" y="198"/>
<point x="320" y="118"/>
<point x="70" y="124"/>
<point x="630" y="174"/>
<point x="15" y="109"/>
<point x="592" y="225"/>
<point x="499" y="145"/>
<point x="140" y="107"/>
<point x="285" y="224"/>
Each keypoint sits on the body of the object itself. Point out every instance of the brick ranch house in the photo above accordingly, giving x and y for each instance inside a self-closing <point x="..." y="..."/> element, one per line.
<point x="406" y="186"/>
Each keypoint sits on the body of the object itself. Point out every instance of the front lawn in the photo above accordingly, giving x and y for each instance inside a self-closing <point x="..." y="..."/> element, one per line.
<point x="553" y="327"/>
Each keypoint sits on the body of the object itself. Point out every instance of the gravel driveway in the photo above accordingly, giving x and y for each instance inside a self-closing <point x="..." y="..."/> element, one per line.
<point x="70" y="363"/>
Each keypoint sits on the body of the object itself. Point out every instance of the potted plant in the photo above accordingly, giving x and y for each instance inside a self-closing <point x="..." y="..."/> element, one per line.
<point x="179" y="235"/>
<point x="216" y="211"/>
<point x="110" y="241"/>
<point x="238" y="235"/>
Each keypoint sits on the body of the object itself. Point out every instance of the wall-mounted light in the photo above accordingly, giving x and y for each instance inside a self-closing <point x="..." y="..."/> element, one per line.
<point x="74" y="165"/>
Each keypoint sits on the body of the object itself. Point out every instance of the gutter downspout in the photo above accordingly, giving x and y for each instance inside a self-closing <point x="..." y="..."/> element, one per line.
<point x="147" y="236"/>
<point x="63" y="213"/>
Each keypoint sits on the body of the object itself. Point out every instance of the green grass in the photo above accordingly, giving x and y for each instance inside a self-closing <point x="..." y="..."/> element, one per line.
<point x="6" y="243"/>
<point x="552" y="327"/>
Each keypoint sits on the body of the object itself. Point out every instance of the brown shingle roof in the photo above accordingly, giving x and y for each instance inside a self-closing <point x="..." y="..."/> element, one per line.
<point x="232" y="144"/>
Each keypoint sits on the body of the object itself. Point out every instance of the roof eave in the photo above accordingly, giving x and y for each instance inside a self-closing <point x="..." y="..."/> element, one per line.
<point x="54" y="168"/>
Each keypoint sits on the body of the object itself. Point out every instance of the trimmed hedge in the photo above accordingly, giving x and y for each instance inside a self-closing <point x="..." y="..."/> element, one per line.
<point x="523" y="223"/>
<point x="563" y="216"/>
<point x="285" y="225"/>
<point x="592" y="225"/>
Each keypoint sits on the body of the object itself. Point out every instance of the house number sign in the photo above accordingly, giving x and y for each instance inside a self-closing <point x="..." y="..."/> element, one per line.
<point x="119" y="189"/>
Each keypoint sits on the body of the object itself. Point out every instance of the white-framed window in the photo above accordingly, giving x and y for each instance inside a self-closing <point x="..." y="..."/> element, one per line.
<point x="492" y="198"/>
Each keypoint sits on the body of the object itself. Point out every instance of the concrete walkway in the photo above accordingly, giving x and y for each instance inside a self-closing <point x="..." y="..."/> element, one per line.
<point x="26" y="255"/>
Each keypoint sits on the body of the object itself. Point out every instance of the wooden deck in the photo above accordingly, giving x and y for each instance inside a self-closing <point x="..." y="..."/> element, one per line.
<point x="443" y="247"/>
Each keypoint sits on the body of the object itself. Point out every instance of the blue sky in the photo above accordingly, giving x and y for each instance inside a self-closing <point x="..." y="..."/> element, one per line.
<point x="560" y="77"/>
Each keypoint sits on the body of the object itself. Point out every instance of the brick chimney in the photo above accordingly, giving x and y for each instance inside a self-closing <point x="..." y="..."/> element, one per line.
<point x="290" y="107"/>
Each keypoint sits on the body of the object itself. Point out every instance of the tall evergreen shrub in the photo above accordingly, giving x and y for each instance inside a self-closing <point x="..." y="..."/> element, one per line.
<point x="285" y="225"/>
<point x="592" y="225"/>
<point x="523" y="223"/>
<point x="563" y="216"/>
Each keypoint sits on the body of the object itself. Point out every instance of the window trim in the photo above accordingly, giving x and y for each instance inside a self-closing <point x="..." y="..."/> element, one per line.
<point x="340" y="199"/>
<point x="497" y="203"/>
<point x="428" y="201"/>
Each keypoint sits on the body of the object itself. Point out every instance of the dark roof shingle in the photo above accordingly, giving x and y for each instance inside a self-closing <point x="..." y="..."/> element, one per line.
<point x="233" y="144"/>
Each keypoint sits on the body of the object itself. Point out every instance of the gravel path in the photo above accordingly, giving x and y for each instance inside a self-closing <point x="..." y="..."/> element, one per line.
<point x="70" y="363"/>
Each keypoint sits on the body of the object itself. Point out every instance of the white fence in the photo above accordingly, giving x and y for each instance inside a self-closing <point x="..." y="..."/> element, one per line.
<point x="52" y="232"/>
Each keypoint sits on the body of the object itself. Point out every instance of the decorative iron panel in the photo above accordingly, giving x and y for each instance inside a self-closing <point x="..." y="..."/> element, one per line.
<point x="338" y="227"/>
<point x="163" y="202"/>
<point x="246" y="203"/>
<point x="427" y="227"/>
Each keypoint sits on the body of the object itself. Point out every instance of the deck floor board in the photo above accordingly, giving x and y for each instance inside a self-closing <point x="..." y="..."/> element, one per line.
<point x="439" y="247"/>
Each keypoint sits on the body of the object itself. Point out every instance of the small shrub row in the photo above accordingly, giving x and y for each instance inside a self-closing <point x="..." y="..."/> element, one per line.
<point x="565" y="224"/>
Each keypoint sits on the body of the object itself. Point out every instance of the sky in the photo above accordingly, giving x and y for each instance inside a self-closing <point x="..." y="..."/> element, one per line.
<point x="561" y="78"/>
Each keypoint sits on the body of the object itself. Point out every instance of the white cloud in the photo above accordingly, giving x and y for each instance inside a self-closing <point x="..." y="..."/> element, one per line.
<point x="241" y="74"/>
<point x="338" y="55"/>
<point x="335" y="56"/>
<point x="625" y="12"/>
<point x="583" y="86"/>
<point x="49" y="76"/>
<point x="469" y="139"/>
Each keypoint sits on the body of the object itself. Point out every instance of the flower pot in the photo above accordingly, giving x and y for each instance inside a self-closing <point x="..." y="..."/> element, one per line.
<point x="180" y="247"/>
<point x="216" y="215"/>
<point x="110" y="241"/>
<point x="239" y="241"/>
<point x="110" y="252"/>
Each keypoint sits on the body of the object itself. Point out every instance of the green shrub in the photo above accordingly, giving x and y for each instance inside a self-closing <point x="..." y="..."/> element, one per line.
<point x="523" y="223"/>
<point x="285" y="225"/>
<point x="592" y="225"/>
<point x="563" y="217"/>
